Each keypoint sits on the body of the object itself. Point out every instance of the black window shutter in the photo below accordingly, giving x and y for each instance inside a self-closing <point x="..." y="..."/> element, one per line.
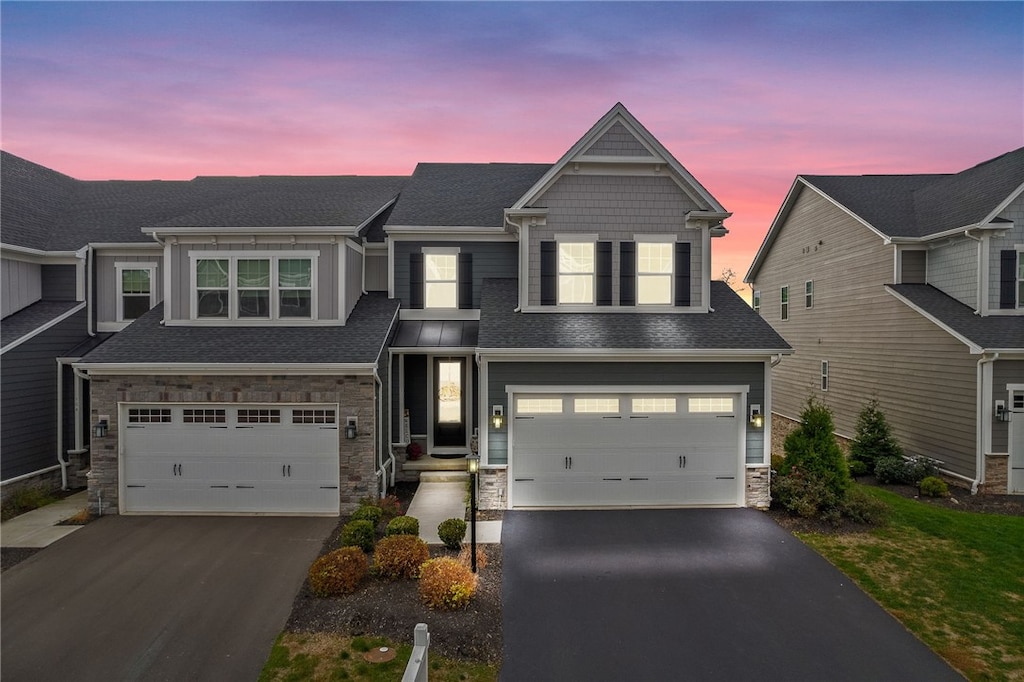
<point x="603" y="253"/>
<point x="465" y="280"/>
<point x="415" y="280"/>
<point x="682" y="273"/>
<point x="627" y="273"/>
<point x="548" y="273"/>
<point x="1007" y="278"/>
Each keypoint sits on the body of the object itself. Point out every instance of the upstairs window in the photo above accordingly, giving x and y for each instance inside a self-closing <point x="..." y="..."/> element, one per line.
<point x="576" y="273"/>
<point x="784" y="307"/>
<point x="756" y="302"/>
<point x="654" y="273"/>
<point x="253" y="286"/>
<point x="135" y="289"/>
<point x="440" y="281"/>
<point x="1020" y="279"/>
<point x="809" y="294"/>
<point x="824" y="375"/>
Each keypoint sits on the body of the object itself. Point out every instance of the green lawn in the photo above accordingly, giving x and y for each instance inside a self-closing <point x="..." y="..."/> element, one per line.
<point x="955" y="579"/>
<point x="302" y="657"/>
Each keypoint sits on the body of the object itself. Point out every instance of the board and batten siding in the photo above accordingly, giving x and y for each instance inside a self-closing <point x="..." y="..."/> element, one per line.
<point x="1004" y="372"/>
<point x="876" y="347"/>
<point x="376" y="276"/>
<point x="616" y="208"/>
<point x="21" y="285"/>
<point x="108" y="288"/>
<point x="953" y="268"/>
<point x="28" y="397"/>
<point x="353" y="278"/>
<point x="502" y="374"/>
<point x="60" y="282"/>
<point x="326" y="285"/>
<point x="1011" y="240"/>
<point x="490" y="259"/>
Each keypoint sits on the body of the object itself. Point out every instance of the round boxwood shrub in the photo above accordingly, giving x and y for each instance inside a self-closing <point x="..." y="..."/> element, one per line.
<point x="338" y="572"/>
<point x="403" y="525"/>
<point x="446" y="583"/>
<point x="452" y="532"/>
<point x="400" y="556"/>
<point x="858" y="468"/>
<point x="368" y="513"/>
<point x="933" y="486"/>
<point x="359" y="533"/>
<point x="890" y="470"/>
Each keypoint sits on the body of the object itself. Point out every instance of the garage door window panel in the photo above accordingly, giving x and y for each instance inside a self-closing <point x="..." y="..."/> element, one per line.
<point x="146" y="415"/>
<point x="711" y="405"/>
<point x="534" y="406"/>
<point x="259" y="416"/>
<point x="204" y="416"/>
<point x="657" y="405"/>
<point x="596" y="405"/>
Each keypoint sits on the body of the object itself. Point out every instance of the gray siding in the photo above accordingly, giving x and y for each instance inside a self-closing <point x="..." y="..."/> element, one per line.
<point x="876" y="346"/>
<point x="1014" y="212"/>
<point x="60" y="282"/>
<point x="376" y="277"/>
<point x="953" y="268"/>
<point x="616" y="208"/>
<point x="20" y="285"/>
<point x="914" y="267"/>
<point x="502" y="374"/>
<point x="617" y="142"/>
<point x="28" y="398"/>
<point x="327" y="280"/>
<point x="353" y="279"/>
<point x="108" y="288"/>
<point x="1004" y="372"/>
<point x="490" y="259"/>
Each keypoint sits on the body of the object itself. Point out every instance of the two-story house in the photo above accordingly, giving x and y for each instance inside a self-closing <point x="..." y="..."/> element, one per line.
<point x="560" y="318"/>
<point x="908" y="289"/>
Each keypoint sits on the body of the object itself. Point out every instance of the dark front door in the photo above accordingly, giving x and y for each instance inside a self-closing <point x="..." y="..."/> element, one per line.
<point x="449" y="402"/>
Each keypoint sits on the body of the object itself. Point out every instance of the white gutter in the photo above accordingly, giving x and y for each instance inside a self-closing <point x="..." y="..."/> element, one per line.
<point x="61" y="462"/>
<point x="220" y="369"/>
<point x="981" y="414"/>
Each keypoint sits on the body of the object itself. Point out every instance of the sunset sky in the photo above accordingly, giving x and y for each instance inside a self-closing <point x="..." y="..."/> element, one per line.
<point x="745" y="95"/>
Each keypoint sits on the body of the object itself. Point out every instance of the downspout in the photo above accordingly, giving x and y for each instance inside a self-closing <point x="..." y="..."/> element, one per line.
<point x="378" y="420"/>
<point x="88" y="291"/>
<point x="79" y="449"/>
<point x="979" y="467"/>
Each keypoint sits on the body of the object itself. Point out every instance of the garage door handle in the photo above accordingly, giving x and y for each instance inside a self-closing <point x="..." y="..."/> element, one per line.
<point x="328" y="487"/>
<point x="682" y="461"/>
<point x="329" y="428"/>
<point x="220" y="486"/>
<point x="518" y="417"/>
<point x="725" y="478"/>
<point x="243" y="427"/>
<point x="134" y="486"/>
<point x="614" y="416"/>
<point x="726" y="416"/>
<point x="613" y="479"/>
<point x="568" y="462"/>
<point x="638" y="479"/>
<point x="519" y="480"/>
<point x="241" y="486"/>
<point x="218" y="427"/>
<point x="637" y="416"/>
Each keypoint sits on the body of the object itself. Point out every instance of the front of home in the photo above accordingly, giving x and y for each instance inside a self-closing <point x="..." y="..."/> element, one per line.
<point x="908" y="289"/>
<point x="275" y="347"/>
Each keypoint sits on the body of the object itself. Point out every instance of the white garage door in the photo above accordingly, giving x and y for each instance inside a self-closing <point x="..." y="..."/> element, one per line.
<point x="230" y="459"/>
<point x="635" y="449"/>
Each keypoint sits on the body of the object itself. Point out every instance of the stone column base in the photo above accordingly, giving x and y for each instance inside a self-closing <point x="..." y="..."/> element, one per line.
<point x="758" y="489"/>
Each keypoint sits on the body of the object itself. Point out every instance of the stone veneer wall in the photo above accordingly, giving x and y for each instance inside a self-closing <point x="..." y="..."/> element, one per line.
<point x="492" y="492"/>
<point x="997" y="475"/>
<point x="353" y="394"/>
<point x="759" y="494"/>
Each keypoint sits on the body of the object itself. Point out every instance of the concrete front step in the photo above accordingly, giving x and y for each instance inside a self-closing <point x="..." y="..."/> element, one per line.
<point x="435" y="464"/>
<point x="443" y="477"/>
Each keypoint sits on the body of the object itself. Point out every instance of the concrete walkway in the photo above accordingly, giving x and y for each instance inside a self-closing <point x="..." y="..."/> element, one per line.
<point x="38" y="528"/>
<point x="437" y="500"/>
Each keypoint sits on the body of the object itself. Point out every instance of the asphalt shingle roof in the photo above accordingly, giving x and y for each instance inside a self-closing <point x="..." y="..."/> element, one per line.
<point x="732" y="326"/>
<point x="147" y="341"/>
<point x="464" y="194"/>
<point x="31" y="200"/>
<point x="31" y="318"/>
<point x="922" y="205"/>
<point x="991" y="332"/>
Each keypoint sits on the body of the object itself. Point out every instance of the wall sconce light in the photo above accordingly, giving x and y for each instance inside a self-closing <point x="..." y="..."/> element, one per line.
<point x="756" y="418"/>
<point x="100" y="430"/>
<point x="351" y="427"/>
<point x="497" y="416"/>
<point x="1002" y="414"/>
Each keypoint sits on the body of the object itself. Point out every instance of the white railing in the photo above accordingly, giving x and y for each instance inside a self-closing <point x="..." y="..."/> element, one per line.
<point x="416" y="669"/>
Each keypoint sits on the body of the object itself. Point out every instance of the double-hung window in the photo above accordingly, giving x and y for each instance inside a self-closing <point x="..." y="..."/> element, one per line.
<point x="654" y="271"/>
<point x="809" y="294"/>
<point x="135" y="289"/>
<point x="756" y="301"/>
<point x="253" y="286"/>
<point x="441" y="279"/>
<point x="784" y="306"/>
<point x="575" y="273"/>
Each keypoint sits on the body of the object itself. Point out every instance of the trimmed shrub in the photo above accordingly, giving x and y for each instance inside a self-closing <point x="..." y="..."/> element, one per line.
<point x="359" y="533"/>
<point x="391" y="506"/>
<point x="467" y="553"/>
<point x="920" y="468"/>
<point x="807" y="494"/>
<point x="858" y="468"/>
<point x="339" y="572"/>
<point x="452" y="532"/>
<point x="933" y="486"/>
<point x="400" y="556"/>
<point x="906" y="471"/>
<point x="403" y="525"/>
<point x="873" y="439"/>
<point x="861" y="507"/>
<point x="446" y="583"/>
<point x="368" y="513"/>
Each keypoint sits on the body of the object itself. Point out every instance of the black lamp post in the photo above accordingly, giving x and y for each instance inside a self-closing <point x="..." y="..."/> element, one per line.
<point x="473" y="465"/>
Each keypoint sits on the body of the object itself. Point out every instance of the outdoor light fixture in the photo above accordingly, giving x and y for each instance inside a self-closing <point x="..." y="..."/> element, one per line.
<point x="473" y="466"/>
<point x="497" y="416"/>
<point x="756" y="418"/>
<point x="100" y="430"/>
<point x="351" y="427"/>
<point x="1002" y="414"/>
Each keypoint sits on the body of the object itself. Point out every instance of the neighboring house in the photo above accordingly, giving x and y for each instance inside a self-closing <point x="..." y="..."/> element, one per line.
<point x="560" y="318"/>
<point x="908" y="289"/>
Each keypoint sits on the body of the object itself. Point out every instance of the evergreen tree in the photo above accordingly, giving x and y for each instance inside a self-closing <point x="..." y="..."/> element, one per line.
<point x="874" y="438"/>
<point x="812" y="450"/>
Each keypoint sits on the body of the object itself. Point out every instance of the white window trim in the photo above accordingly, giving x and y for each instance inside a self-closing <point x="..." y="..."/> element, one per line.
<point x="233" y="257"/>
<point x="575" y="239"/>
<point x="1019" y="279"/>
<point x="809" y="295"/>
<point x="824" y="376"/>
<point x="784" y="301"/>
<point x="440" y="251"/>
<point x="655" y="239"/>
<point x="120" y="267"/>
<point x="755" y="301"/>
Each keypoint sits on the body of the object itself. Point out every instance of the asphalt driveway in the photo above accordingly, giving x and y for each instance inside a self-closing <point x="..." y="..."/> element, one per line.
<point x="701" y="594"/>
<point x="156" y="598"/>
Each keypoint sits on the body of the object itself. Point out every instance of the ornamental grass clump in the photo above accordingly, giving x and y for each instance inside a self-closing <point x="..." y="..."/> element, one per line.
<point x="359" y="533"/>
<point x="403" y="525"/>
<point x="452" y="531"/>
<point x="446" y="584"/>
<point x="400" y="556"/>
<point x="339" y="572"/>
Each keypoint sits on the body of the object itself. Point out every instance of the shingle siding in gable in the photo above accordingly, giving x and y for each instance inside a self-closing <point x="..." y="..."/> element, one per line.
<point x="617" y="142"/>
<point x="876" y="346"/>
<point x="953" y="268"/>
<point x="1014" y="212"/>
<point x="615" y="208"/>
